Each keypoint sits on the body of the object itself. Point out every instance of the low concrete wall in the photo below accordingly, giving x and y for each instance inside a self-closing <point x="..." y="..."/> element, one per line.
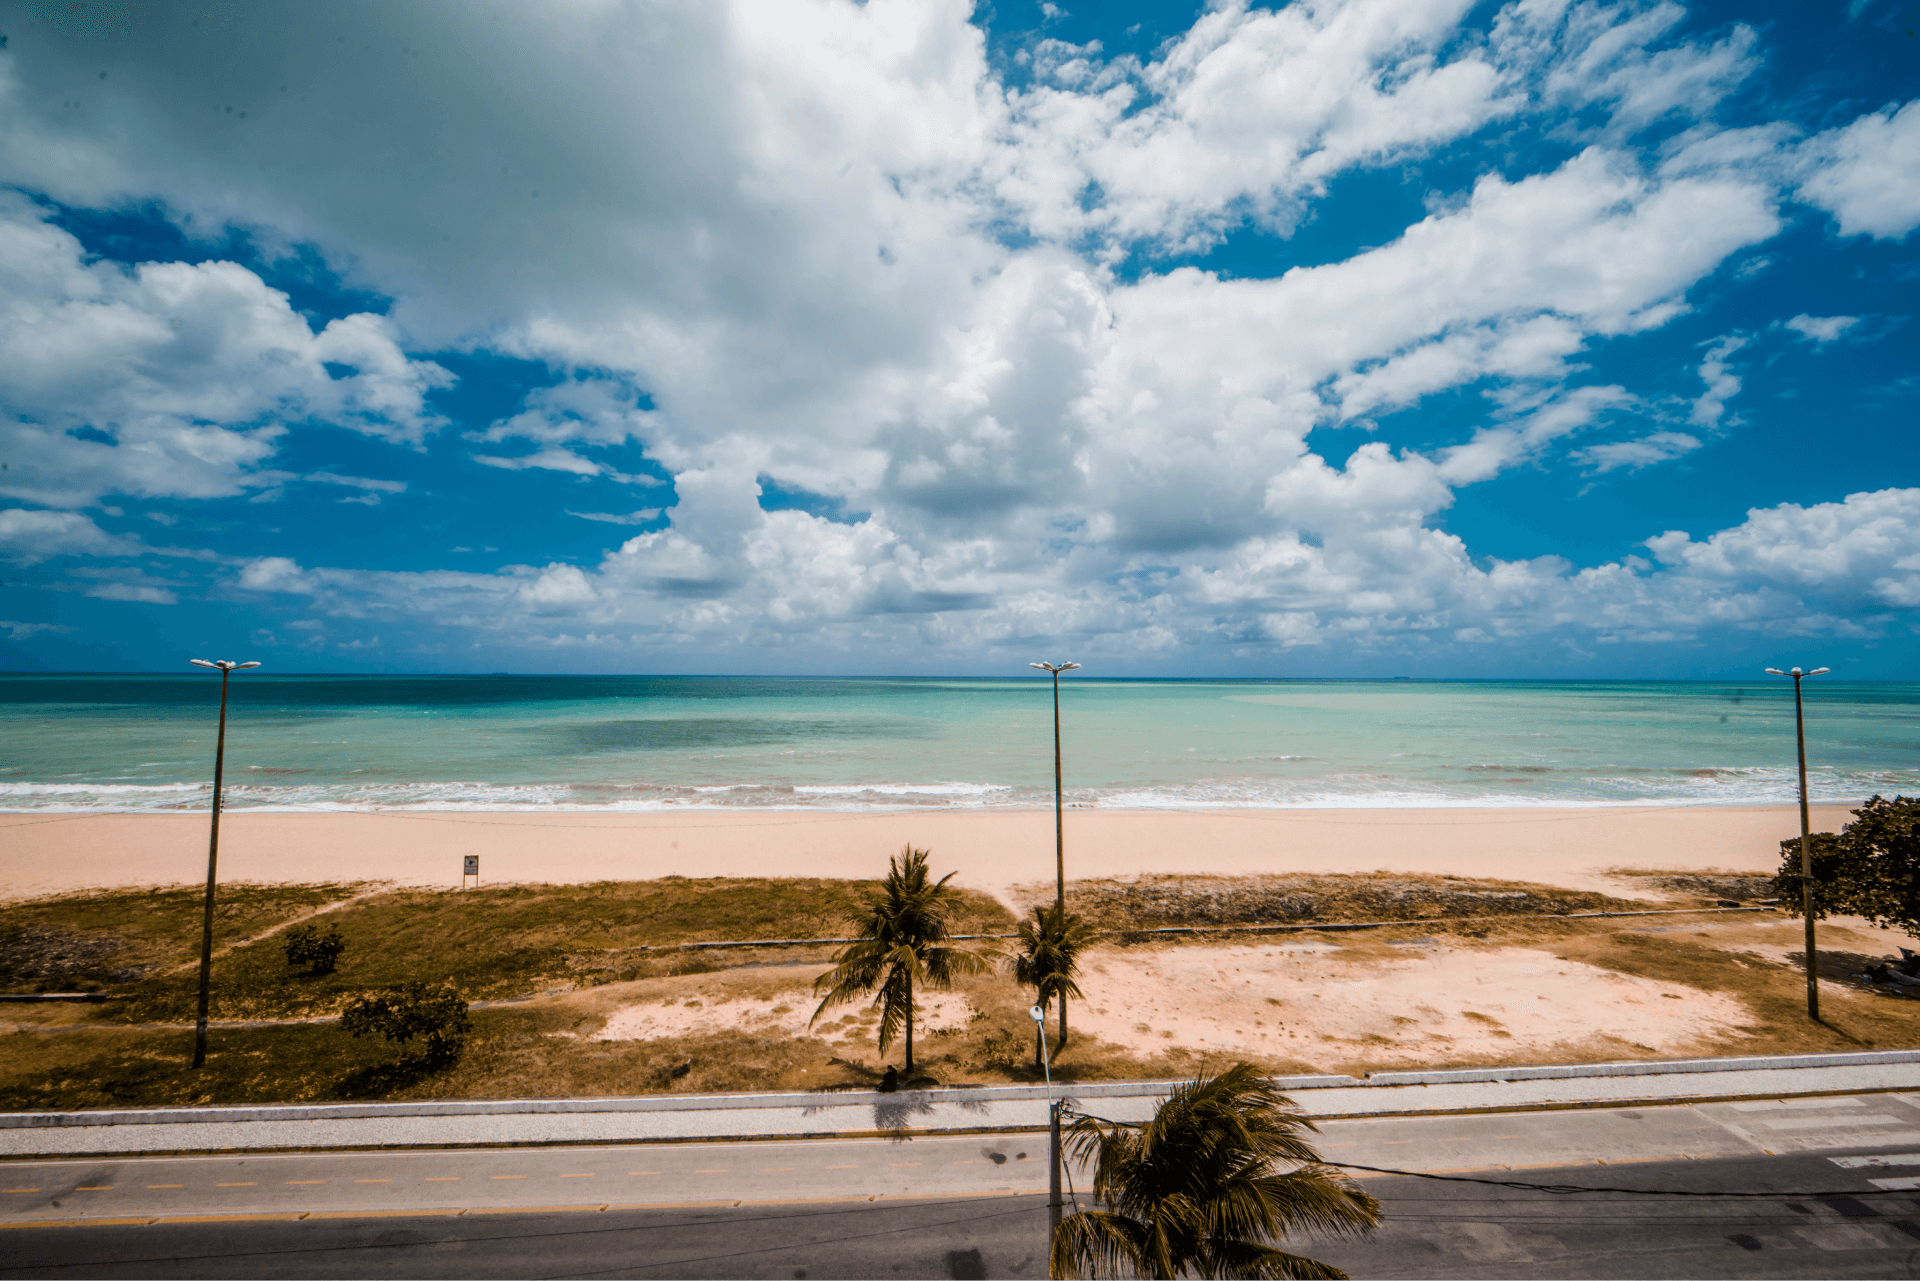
<point x="679" y="1118"/>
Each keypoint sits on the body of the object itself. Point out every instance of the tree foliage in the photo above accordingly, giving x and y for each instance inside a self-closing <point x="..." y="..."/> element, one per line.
<point x="320" y="953"/>
<point x="901" y="940"/>
<point x="1207" y="1187"/>
<point x="436" y="1014"/>
<point x="1871" y="869"/>
<point x="1048" y="957"/>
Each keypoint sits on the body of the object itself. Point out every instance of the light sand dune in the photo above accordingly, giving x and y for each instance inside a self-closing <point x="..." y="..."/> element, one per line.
<point x="44" y="854"/>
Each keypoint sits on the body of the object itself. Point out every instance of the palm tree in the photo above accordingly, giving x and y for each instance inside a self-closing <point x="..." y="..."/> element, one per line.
<point x="903" y="937"/>
<point x="1049" y="957"/>
<point x="1196" y="1188"/>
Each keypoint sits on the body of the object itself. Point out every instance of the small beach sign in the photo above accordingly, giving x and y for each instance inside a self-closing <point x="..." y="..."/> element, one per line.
<point x="470" y="867"/>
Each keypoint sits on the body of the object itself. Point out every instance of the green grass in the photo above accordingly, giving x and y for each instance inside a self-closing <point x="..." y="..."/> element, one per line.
<point x="493" y="943"/>
<point x="86" y="942"/>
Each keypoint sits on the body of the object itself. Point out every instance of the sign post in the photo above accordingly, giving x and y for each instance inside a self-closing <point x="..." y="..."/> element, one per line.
<point x="471" y="867"/>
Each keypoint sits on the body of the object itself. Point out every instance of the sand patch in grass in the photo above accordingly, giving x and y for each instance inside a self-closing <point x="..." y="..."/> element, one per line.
<point x="780" y="1014"/>
<point x="1337" y="1006"/>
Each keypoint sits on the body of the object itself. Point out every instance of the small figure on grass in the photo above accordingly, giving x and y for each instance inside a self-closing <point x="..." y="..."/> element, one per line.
<point x="320" y="953"/>
<point x="1208" y="1186"/>
<point x="435" y="1014"/>
<point x="902" y="939"/>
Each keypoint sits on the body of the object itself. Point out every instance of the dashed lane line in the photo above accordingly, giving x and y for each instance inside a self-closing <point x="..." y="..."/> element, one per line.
<point x="153" y="1186"/>
<point x="445" y="1178"/>
<point x="373" y="1180"/>
<point x="304" y="1183"/>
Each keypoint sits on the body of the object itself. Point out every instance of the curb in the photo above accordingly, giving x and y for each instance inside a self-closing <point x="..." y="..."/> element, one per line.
<point x="814" y="1101"/>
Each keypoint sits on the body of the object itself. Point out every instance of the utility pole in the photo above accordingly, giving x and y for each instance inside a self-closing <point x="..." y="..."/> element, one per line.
<point x="1806" y="850"/>
<point x="1055" y="1206"/>
<point x="226" y="668"/>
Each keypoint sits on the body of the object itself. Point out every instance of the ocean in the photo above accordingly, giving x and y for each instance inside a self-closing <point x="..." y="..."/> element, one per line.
<point x="145" y="743"/>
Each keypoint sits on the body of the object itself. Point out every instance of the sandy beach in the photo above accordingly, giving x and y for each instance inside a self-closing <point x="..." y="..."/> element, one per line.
<point x="992" y="851"/>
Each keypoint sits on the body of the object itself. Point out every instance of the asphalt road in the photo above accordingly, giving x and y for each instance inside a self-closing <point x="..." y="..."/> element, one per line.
<point x="1837" y="1178"/>
<point x="1431" y="1229"/>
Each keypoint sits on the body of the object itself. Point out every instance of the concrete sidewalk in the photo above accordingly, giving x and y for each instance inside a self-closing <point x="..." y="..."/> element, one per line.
<point x="654" y="1119"/>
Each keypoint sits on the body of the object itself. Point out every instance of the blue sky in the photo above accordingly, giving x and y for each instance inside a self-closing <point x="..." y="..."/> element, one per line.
<point x="1340" y="339"/>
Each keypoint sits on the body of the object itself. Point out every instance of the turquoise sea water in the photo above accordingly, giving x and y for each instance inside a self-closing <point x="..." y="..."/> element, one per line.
<point x="137" y="743"/>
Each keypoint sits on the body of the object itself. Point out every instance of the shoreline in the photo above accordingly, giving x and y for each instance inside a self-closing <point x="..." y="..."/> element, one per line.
<point x="990" y="850"/>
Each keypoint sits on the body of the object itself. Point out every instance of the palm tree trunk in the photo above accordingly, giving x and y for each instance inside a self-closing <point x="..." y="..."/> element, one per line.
<point x="1039" y="1043"/>
<point x="1061" y="1044"/>
<point x="909" y="1071"/>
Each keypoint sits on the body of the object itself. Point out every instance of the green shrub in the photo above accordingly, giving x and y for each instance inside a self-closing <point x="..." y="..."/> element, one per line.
<point x="1871" y="869"/>
<point x="436" y="1014"/>
<point x="320" y="953"/>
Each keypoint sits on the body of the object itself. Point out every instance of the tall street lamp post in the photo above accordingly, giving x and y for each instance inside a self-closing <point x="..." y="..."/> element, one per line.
<point x="226" y="667"/>
<point x="1059" y="829"/>
<point x="1806" y="854"/>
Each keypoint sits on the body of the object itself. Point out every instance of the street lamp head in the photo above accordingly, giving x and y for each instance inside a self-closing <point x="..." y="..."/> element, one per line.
<point x="221" y="664"/>
<point x="1774" y="671"/>
<point x="244" y="666"/>
<point x="1819" y="671"/>
<point x="201" y="662"/>
<point x="1038" y="1013"/>
<point x="1056" y="667"/>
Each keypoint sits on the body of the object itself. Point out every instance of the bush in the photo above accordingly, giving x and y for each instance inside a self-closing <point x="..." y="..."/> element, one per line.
<point x="320" y="953"/>
<point x="1871" y="869"/>
<point x="436" y="1014"/>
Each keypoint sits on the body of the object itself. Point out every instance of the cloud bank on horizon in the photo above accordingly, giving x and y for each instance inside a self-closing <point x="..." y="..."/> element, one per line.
<point x="1350" y="337"/>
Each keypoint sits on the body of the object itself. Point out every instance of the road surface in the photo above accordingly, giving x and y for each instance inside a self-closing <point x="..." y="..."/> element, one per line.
<point x="960" y="1207"/>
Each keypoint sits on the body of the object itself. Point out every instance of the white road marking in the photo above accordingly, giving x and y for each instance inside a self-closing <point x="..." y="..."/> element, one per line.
<point x="1777" y="1104"/>
<point x="1832" y="1122"/>
<point x="1888" y="1158"/>
<point x="1907" y="1184"/>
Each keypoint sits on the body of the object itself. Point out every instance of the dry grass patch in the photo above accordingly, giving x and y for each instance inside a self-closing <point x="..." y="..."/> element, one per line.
<point x="1701" y="884"/>
<point x="1154" y="901"/>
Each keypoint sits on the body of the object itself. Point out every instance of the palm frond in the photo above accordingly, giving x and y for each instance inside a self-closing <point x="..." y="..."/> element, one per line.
<point x="1094" y="1243"/>
<point x="1205" y="1179"/>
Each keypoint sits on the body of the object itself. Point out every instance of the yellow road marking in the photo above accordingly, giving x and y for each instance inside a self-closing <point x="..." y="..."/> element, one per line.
<point x="152" y="1186"/>
<point x="19" y="1189"/>
<point x="576" y="1176"/>
<point x="775" y="1169"/>
<point x="445" y="1179"/>
<point x="709" y="1171"/>
<point x="831" y="1167"/>
<point x="509" y="1176"/>
<point x="99" y="1187"/>
<point x="901" y="1165"/>
<point x="373" y="1180"/>
<point x="295" y="1183"/>
<point x="239" y="1185"/>
<point x="640" y="1174"/>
